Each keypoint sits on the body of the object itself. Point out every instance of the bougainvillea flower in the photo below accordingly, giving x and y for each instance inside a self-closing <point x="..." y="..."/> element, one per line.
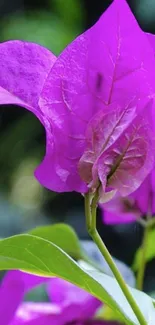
<point x="96" y="102"/>
<point x="138" y="204"/>
<point x="12" y="290"/>
<point x="67" y="303"/>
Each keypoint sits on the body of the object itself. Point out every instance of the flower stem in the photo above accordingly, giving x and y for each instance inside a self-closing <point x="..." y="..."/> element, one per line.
<point x="141" y="271"/>
<point x="90" y="212"/>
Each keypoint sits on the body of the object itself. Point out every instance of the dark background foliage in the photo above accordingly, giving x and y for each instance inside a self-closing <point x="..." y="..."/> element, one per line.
<point x="23" y="203"/>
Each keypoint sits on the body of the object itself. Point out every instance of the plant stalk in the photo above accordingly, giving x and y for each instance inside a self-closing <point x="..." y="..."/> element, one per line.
<point x="90" y="213"/>
<point x="141" y="270"/>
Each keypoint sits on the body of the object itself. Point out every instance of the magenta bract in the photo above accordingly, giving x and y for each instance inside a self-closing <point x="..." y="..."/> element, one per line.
<point x="67" y="303"/>
<point x="96" y="102"/>
<point x="138" y="204"/>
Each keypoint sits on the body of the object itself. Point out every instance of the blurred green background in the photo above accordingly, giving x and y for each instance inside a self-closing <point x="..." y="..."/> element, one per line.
<point x="23" y="202"/>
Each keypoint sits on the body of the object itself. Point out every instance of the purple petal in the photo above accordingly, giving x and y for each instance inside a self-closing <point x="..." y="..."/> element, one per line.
<point x="102" y="132"/>
<point x="31" y="313"/>
<point x="114" y="218"/>
<point x="67" y="92"/>
<point x="75" y="302"/>
<point x="56" y="172"/>
<point x="120" y="57"/>
<point x="24" y="68"/>
<point x="119" y="210"/>
<point x="11" y="294"/>
<point x="145" y="195"/>
<point x="14" y="285"/>
<point x="130" y="208"/>
<point x="142" y="196"/>
<point x="106" y="65"/>
<point x="29" y="280"/>
<point x="131" y="158"/>
<point x="121" y="73"/>
<point x="119" y="140"/>
<point x="151" y="39"/>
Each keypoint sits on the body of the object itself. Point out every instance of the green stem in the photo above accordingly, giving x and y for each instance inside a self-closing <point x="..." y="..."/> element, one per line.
<point x="90" y="212"/>
<point x="141" y="271"/>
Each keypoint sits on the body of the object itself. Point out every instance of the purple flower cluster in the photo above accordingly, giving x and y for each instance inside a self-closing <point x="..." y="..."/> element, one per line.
<point x="67" y="303"/>
<point x="96" y="102"/>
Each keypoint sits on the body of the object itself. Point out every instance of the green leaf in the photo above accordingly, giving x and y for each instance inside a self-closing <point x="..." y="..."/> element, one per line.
<point x="150" y="251"/>
<point x="39" y="256"/>
<point x="63" y="236"/>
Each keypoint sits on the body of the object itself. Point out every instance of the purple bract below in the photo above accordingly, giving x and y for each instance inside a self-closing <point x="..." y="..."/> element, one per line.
<point x="137" y="205"/>
<point x="96" y="102"/>
<point x="67" y="303"/>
